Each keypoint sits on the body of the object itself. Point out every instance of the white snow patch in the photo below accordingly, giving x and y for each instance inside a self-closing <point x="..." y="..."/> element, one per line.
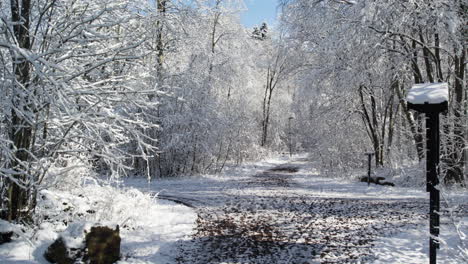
<point x="149" y="228"/>
<point x="5" y="226"/>
<point x="430" y="93"/>
<point x="412" y="246"/>
<point x="73" y="236"/>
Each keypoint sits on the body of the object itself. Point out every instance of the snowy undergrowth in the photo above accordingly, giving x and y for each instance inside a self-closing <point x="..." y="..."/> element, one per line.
<point x="148" y="227"/>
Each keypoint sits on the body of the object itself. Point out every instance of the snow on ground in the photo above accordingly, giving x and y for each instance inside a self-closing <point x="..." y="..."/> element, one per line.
<point x="258" y="213"/>
<point x="149" y="227"/>
<point x="218" y="198"/>
<point x="411" y="245"/>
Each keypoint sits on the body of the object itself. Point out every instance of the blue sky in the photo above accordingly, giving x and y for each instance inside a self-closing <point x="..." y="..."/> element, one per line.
<point x="258" y="12"/>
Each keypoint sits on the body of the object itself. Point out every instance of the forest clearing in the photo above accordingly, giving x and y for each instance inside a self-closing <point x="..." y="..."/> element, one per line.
<point x="232" y="131"/>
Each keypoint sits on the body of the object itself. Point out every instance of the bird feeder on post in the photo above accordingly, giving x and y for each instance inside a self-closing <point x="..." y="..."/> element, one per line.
<point x="290" y="135"/>
<point x="431" y="99"/>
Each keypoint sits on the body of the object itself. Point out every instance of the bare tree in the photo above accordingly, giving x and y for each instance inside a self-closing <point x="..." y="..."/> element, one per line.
<point x="68" y="64"/>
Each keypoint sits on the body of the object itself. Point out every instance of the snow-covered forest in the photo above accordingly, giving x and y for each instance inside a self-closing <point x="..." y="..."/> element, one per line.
<point x="102" y="99"/>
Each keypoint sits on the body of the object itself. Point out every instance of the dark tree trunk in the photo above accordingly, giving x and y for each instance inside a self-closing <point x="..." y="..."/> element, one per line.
<point x="427" y="61"/>
<point x="370" y="120"/>
<point x="414" y="65"/>
<point x="20" y="130"/>
<point x="161" y="6"/>
<point x="438" y="61"/>
<point x="415" y="130"/>
<point x="456" y="159"/>
<point x="270" y="86"/>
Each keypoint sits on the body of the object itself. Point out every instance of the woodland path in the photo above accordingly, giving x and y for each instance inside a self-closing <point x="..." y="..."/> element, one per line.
<point x="273" y="216"/>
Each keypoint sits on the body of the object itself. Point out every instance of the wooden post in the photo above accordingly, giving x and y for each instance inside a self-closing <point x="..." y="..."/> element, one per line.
<point x="431" y="99"/>
<point x="290" y="136"/>
<point x="369" y="166"/>
<point x="432" y="169"/>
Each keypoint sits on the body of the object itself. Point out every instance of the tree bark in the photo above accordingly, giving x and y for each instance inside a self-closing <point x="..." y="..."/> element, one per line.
<point x="438" y="61"/>
<point x="427" y="61"/>
<point x="417" y="137"/>
<point x="20" y="130"/>
<point x="269" y="88"/>
<point x="457" y="156"/>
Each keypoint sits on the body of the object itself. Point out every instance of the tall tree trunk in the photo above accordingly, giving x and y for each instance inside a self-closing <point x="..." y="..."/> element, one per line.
<point x="20" y="130"/>
<point x="417" y="136"/>
<point x="378" y="141"/>
<point x="456" y="158"/>
<point x="161" y="5"/>
<point x="427" y="61"/>
<point x="370" y="121"/>
<point x="269" y="88"/>
<point x="267" y="117"/>
<point x="391" y="129"/>
<point x="413" y="122"/>
<point x="438" y="61"/>
<point x="418" y="78"/>
<point x="157" y="164"/>
<point x="264" y="108"/>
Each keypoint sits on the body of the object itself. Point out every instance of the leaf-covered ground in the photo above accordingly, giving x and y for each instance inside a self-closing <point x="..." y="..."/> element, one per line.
<point x="280" y="226"/>
<point x="284" y="211"/>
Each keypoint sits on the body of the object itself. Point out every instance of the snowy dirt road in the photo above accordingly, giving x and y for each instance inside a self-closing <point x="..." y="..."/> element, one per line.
<point x="277" y="225"/>
<point x="285" y="212"/>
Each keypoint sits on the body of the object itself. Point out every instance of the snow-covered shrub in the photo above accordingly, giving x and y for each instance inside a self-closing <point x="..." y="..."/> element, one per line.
<point x="94" y="201"/>
<point x="68" y="173"/>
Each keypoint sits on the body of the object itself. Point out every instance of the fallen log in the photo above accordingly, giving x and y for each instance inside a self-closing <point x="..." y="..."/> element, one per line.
<point x="377" y="180"/>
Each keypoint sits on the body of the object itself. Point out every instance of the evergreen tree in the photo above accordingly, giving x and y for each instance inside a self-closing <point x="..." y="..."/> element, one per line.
<point x="260" y="33"/>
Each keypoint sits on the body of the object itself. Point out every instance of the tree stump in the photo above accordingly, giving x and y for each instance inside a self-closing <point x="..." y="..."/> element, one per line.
<point x="103" y="245"/>
<point x="58" y="253"/>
